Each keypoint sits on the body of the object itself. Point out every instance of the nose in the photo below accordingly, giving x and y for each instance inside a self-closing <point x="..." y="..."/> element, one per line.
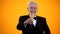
<point x="33" y="8"/>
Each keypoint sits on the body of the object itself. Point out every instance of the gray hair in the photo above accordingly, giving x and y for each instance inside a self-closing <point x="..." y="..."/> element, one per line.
<point x="32" y="2"/>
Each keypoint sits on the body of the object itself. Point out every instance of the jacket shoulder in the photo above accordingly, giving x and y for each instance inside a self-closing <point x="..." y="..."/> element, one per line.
<point x="24" y="16"/>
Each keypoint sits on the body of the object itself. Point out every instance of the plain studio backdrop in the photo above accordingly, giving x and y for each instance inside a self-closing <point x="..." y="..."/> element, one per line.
<point x="11" y="10"/>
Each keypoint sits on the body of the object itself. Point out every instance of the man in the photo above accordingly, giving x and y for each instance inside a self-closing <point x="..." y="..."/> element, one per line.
<point x="31" y="23"/>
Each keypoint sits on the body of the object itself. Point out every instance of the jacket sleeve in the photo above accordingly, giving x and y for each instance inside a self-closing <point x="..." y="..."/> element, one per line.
<point x="45" y="27"/>
<point x="20" y="25"/>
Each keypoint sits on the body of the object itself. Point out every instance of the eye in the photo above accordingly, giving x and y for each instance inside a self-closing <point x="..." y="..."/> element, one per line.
<point x="31" y="7"/>
<point x="34" y="7"/>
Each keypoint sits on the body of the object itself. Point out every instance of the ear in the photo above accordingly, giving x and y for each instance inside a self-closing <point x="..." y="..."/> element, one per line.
<point x="27" y="8"/>
<point x="37" y="8"/>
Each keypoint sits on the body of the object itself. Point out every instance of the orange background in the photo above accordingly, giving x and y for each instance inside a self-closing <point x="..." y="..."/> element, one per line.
<point x="12" y="9"/>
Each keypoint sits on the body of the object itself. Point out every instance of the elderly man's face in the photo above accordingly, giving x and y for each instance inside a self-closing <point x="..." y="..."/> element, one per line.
<point x="32" y="7"/>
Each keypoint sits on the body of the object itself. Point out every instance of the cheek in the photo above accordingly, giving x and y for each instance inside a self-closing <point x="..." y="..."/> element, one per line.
<point x="28" y="9"/>
<point x="36" y="9"/>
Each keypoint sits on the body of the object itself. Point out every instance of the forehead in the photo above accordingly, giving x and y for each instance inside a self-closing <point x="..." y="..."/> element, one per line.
<point x="32" y="4"/>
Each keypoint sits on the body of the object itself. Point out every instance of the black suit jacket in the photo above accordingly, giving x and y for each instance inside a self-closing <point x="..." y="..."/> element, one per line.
<point x="41" y="26"/>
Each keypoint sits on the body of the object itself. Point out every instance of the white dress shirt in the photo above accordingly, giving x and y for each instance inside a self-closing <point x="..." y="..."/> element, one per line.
<point x="34" y="22"/>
